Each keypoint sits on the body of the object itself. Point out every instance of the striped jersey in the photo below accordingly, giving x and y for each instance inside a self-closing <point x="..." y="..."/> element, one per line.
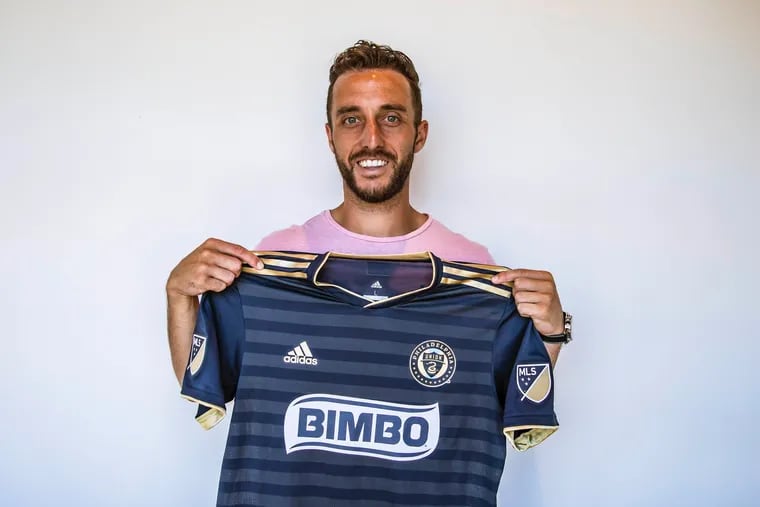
<point x="368" y="381"/>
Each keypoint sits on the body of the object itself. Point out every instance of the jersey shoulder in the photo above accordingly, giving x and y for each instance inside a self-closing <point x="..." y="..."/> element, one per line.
<point x="475" y="275"/>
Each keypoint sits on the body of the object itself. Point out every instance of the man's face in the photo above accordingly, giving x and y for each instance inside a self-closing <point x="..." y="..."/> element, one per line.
<point x="373" y="135"/>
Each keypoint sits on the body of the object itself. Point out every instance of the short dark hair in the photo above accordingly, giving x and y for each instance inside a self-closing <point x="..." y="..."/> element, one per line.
<point x="366" y="55"/>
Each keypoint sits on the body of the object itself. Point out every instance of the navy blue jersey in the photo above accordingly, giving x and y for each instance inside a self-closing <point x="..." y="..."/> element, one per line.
<point x="370" y="381"/>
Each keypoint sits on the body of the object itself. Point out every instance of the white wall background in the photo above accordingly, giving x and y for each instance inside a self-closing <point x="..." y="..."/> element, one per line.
<point x="616" y="144"/>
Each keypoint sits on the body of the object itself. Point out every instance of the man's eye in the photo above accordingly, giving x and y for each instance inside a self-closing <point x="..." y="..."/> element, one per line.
<point x="351" y="120"/>
<point x="392" y="118"/>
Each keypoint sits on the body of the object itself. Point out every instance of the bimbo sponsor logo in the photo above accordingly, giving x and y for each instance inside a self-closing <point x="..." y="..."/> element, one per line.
<point x="347" y="425"/>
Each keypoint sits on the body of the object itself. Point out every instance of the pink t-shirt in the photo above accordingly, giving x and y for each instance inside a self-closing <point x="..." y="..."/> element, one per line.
<point x="322" y="234"/>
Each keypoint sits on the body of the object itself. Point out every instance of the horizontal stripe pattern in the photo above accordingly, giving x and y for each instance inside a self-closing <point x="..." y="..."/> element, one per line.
<point x="325" y="496"/>
<point x="332" y="347"/>
<point x="364" y="353"/>
<point x="367" y="333"/>
<point x="399" y="383"/>
<point x="452" y="465"/>
<point x="409" y="492"/>
<point x="454" y="315"/>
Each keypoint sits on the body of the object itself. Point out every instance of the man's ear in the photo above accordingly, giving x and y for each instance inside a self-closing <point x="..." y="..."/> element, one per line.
<point x="422" y="133"/>
<point x="328" y="131"/>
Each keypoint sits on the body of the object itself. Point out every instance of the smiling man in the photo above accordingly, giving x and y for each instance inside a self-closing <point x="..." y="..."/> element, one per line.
<point x="374" y="128"/>
<point x="374" y="135"/>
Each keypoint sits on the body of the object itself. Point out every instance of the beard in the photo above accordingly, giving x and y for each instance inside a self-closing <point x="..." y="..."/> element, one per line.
<point x="400" y="174"/>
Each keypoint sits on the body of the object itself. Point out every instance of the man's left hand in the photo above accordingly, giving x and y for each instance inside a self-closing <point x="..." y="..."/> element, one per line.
<point x="536" y="297"/>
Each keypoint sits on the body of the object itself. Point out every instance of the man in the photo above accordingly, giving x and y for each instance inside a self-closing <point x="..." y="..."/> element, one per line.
<point x="374" y="128"/>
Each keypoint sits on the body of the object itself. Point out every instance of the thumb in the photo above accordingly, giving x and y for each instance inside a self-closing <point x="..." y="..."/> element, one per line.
<point x="505" y="277"/>
<point x="252" y="260"/>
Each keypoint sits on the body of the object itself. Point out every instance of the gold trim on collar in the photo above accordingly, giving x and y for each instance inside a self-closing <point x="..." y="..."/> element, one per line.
<point x="274" y="272"/>
<point x="300" y="255"/>
<point x="413" y="256"/>
<point x="286" y="264"/>
<point x="491" y="267"/>
<point x="478" y="285"/>
<point x="472" y="274"/>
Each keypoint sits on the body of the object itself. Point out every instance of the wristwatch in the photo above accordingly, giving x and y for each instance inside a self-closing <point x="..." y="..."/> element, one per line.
<point x="566" y="336"/>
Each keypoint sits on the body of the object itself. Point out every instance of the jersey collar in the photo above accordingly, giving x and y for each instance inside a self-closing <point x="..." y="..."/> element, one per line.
<point x="355" y="299"/>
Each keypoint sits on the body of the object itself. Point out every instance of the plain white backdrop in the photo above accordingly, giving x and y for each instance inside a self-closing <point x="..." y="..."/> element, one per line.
<point x="616" y="144"/>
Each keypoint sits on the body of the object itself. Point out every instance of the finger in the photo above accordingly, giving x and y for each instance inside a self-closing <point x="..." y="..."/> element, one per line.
<point x="205" y="284"/>
<point x="534" y="285"/>
<point x="531" y="297"/>
<point x="210" y="257"/>
<point x="209" y="278"/>
<point x="539" y="315"/>
<point x="511" y="275"/>
<point x="221" y="274"/>
<point x="545" y="324"/>
<point x="214" y="285"/>
<point x="255" y="261"/>
<point x="528" y="309"/>
<point x="237" y="251"/>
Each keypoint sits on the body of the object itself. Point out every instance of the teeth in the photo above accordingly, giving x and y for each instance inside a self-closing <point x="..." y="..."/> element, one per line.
<point x="372" y="163"/>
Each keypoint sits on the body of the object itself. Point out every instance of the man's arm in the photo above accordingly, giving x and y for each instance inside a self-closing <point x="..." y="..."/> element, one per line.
<point x="180" y="322"/>
<point x="536" y="297"/>
<point x="213" y="266"/>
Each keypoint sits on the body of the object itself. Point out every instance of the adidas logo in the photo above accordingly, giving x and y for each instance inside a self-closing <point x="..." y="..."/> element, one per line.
<point x="376" y="285"/>
<point x="301" y="354"/>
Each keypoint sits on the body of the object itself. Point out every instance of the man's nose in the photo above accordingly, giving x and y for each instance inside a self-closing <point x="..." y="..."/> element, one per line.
<point x="373" y="135"/>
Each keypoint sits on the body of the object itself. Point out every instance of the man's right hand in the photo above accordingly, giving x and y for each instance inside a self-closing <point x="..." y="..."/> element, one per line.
<point x="213" y="266"/>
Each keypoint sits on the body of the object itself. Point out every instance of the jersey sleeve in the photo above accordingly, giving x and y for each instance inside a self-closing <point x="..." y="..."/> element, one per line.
<point x="528" y="385"/>
<point x="213" y="367"/>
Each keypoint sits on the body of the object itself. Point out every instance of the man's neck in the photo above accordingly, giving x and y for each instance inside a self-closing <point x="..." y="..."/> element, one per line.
<point x="392" y="218"/>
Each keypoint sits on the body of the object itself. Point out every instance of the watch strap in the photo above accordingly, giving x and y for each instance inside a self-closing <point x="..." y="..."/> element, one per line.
<point x="564" y="337"/>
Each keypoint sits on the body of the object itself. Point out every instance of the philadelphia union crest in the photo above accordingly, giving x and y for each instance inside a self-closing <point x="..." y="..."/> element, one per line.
<point x="432" y="363"/>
